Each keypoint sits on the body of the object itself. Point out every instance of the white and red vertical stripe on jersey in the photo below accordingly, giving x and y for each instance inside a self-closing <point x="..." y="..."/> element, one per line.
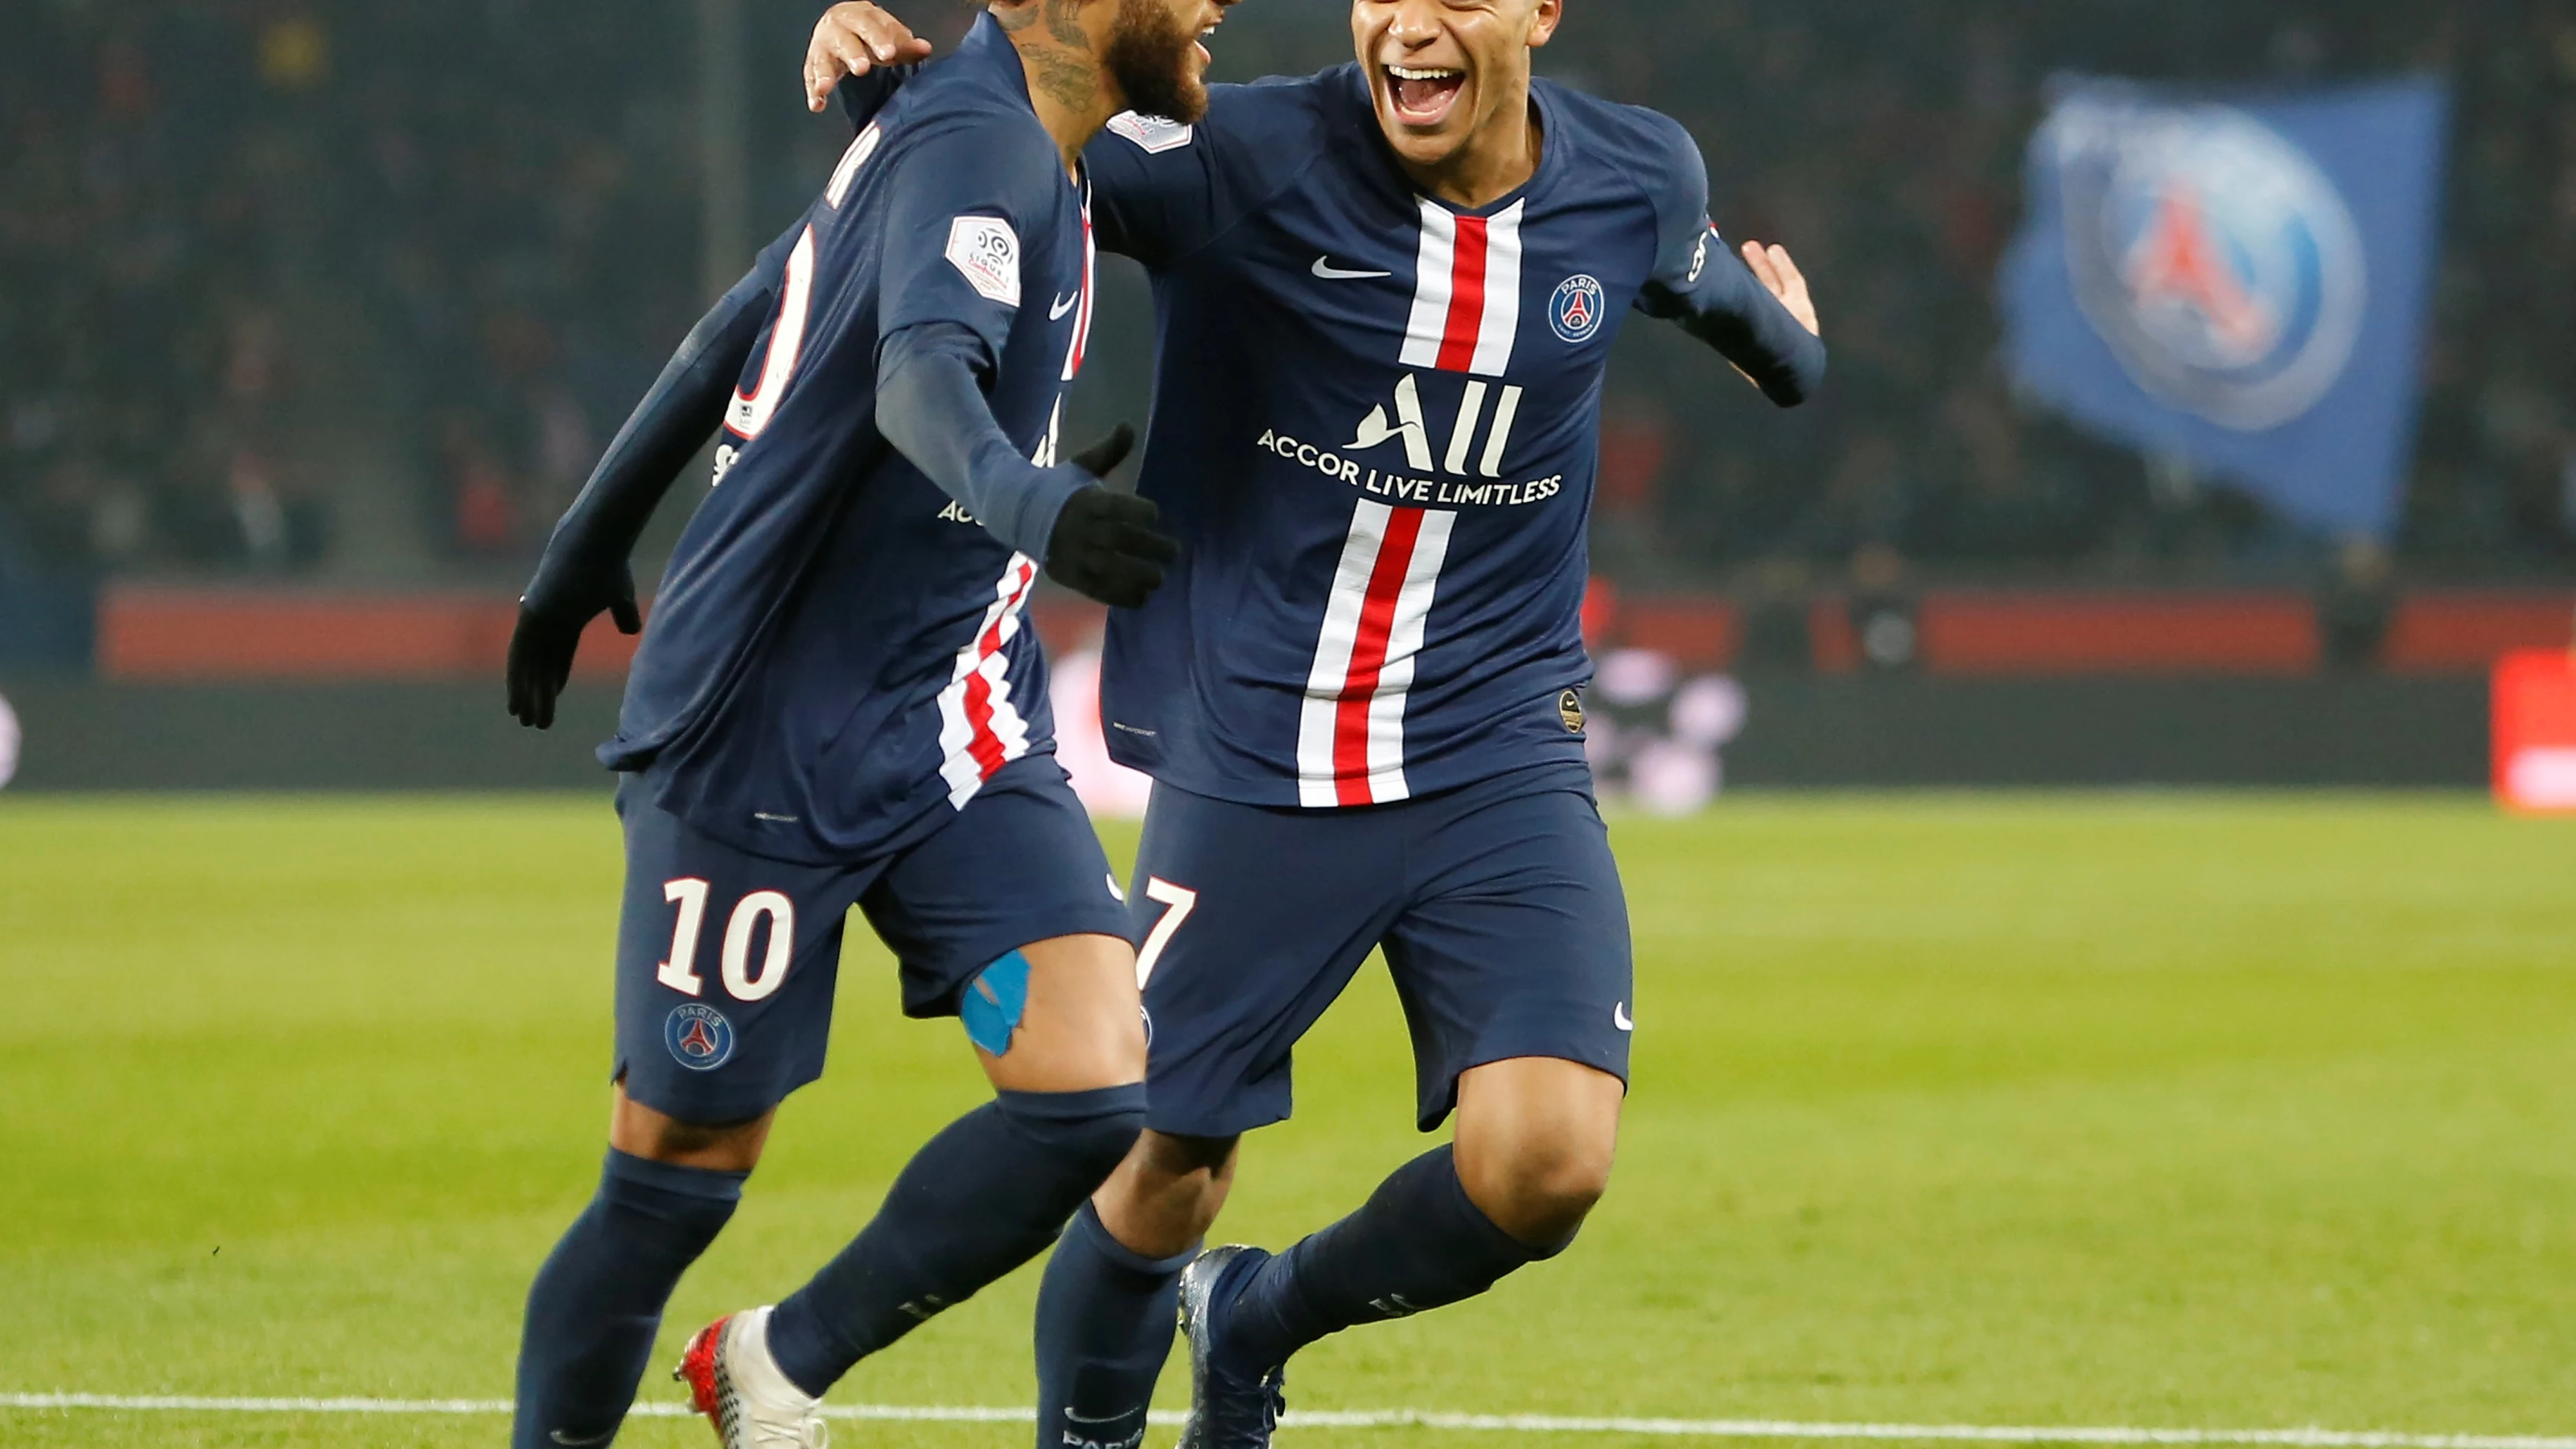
<point x="1466" y="291"/>
<point x="1350" y="732"/>
<point x="1090" y="280"/>
<point x="980" y="728"/>
<point x="1051" y="448"/>
<point x="1466" y="318"/>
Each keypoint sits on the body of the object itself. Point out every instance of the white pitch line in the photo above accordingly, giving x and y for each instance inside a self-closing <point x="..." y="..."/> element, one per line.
<point x="1919" y="1433"/>
<point x="1405" y="1418"/>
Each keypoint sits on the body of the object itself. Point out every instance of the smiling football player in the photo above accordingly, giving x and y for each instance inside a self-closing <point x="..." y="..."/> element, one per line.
<point x="1387" y="298"/>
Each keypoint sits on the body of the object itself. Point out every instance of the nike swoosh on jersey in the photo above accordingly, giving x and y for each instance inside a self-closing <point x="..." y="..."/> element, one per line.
<point x="1325" y="269"/>
<point x="1619" y="1017"/>
<point x="1065" y="305"/>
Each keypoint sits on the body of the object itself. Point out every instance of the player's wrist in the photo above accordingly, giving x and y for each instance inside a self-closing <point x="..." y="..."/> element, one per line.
<point x="569" y="580"/>
<point x="1048" y="493"/>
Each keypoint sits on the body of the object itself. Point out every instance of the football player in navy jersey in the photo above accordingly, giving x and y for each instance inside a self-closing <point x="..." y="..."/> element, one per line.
<point x="1386" y="297"/>
<point x="836" y="703"/>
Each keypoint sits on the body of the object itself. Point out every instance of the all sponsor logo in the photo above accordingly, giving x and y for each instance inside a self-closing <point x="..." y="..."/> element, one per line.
<point x="2214" y="256"/>
<point x="1472" y="447"/>
<point x="1472" y="441"/>
<point x="1579" y="308"/>
<point x="699" y="1036"/>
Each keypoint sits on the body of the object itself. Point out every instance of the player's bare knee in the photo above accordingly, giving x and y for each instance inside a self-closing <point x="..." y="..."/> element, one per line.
<point x="641" y="1131"/>
<point x="1562" y="1180"/>
<point x="1542" y="1189"/>
<point x="1168" y="1192"/>
<point x="1059" y="1016"/>
<point x="1535" y="1146"/>
<point x="1171" y="1158"/>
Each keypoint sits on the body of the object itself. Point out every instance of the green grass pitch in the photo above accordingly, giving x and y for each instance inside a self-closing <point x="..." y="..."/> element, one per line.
<point x="2170" y="1111"/>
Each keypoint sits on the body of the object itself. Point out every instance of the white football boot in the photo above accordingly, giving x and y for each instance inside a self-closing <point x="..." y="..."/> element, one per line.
<point x="740" y="1388"/>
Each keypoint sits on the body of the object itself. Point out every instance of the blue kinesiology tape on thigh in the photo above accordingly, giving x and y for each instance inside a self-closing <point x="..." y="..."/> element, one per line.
<point x="994" y="1003"/>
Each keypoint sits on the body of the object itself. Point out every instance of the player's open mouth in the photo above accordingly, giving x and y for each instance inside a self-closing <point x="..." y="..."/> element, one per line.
<point x="1422" y="97"/>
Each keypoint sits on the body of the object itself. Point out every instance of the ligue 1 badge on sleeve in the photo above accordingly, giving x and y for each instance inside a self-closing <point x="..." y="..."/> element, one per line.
<point x="699" y="1037"/>
<point x="986" y="252"/>
<point x="1153" y="135"/>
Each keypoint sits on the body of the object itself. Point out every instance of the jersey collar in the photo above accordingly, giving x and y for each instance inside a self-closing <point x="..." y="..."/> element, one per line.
<point x="988" y="50"/>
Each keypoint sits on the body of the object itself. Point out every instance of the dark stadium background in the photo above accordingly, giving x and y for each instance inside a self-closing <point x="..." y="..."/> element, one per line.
<point x="313" y="315"/>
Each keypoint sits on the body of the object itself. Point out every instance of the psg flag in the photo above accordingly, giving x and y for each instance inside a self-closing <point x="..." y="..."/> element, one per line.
<point x="2238" y="283"/>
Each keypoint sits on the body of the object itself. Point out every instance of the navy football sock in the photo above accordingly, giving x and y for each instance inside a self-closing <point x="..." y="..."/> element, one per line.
<point x="597" y="1302"/>
<point x="1418" y="1243"/>
<point x="981" y="1198"/>
<point x="1105" y="1316"/>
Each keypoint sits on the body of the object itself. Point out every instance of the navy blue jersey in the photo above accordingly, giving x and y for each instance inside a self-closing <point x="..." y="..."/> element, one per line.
<point x="1377" y="427"/>
<point x="836" y="652"/>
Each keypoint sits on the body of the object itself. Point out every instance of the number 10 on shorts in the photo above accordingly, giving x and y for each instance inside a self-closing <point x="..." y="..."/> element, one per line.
<point x="679" y="970"/>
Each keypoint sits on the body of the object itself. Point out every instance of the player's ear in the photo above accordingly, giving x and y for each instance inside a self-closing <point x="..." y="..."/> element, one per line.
<point x="1544" y="17"/>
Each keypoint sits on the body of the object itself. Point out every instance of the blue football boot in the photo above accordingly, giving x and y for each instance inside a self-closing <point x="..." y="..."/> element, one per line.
<point x="1232" y="1405"/>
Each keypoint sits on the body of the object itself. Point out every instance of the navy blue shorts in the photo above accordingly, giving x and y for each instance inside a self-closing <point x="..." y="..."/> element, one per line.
<point x="1498" y="904"/>
<point x="726" y="960"/>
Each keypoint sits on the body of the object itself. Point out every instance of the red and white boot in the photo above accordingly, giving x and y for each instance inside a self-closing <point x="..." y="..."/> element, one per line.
<point x="740" y="1388"/>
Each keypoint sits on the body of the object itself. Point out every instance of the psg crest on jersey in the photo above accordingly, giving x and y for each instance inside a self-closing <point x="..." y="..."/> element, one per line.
<point x="699" y="1037"/>
<point x="2213" y="255"/>
<point x="1579" y="308"/>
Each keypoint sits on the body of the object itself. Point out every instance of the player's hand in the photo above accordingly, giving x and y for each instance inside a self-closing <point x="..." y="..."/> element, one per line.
<point x="1104" y="546"/>
<point x="853" y="39"/>
<point x="1773" y="269"/>
<point x="552" y="616"/>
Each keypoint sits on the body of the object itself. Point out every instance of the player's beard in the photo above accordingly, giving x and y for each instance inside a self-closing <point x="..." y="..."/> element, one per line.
<point x="1150" y="60"/>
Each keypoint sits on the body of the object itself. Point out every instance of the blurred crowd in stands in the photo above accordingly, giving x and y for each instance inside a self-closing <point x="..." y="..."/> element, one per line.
<point x="259" y="257"/>
<point x="269" y="269"/>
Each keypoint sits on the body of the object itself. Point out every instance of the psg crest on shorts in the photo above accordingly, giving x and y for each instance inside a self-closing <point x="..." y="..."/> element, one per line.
<point x="2215" y="257"/>
<point x="1579" y="309"/>
<point x="699" y="1037"/>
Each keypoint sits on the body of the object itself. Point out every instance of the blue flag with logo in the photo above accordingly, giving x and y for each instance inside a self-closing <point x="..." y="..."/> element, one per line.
<point x="2241" y="284"/>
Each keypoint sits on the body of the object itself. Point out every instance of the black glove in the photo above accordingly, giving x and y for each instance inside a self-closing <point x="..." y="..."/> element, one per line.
<point x="552" y="614"/>
<point x="1104" y="545"/>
